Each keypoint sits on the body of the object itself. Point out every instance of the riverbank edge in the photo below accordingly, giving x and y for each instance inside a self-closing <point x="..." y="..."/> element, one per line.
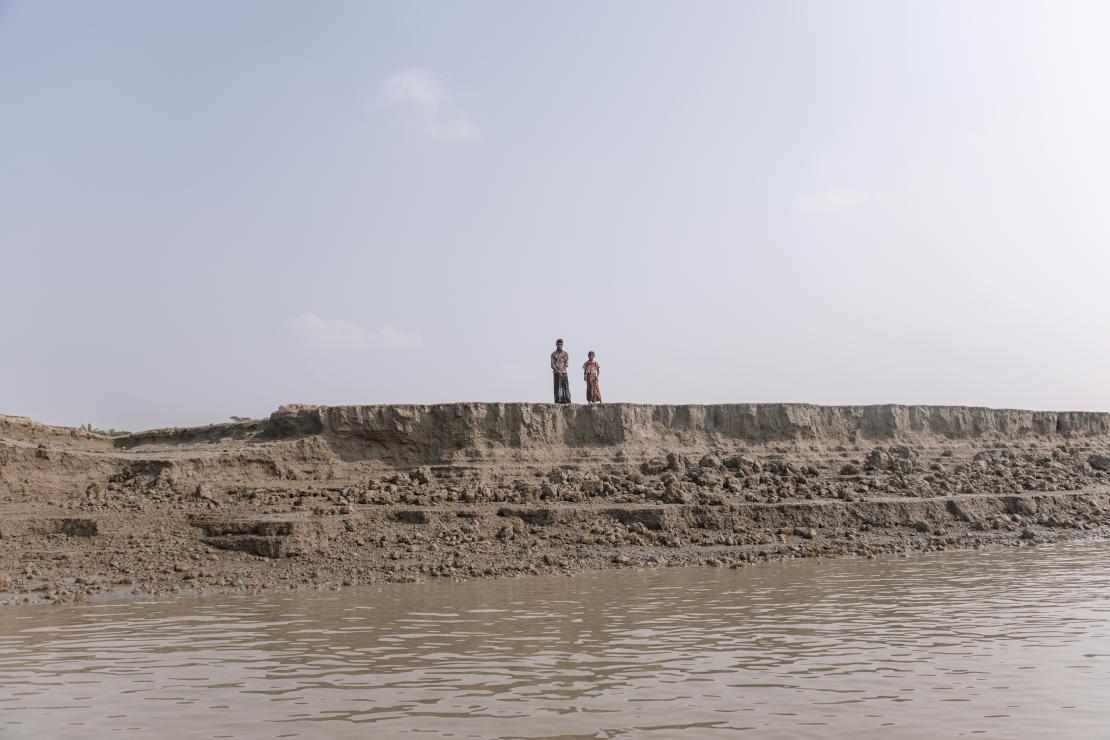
<point x="73" y="559"/>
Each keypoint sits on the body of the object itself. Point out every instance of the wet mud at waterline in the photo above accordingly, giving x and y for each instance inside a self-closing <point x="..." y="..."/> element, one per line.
<point x="338" y="496"/>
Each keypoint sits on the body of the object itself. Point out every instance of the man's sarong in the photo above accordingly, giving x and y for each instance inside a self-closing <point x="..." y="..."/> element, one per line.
<point x="562" y="388"/>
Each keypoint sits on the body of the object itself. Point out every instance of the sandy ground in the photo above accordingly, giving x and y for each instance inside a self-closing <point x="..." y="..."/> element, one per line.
<point x="331" y="496"/>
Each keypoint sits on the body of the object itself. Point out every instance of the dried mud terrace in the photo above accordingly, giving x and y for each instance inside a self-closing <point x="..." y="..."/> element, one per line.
<point x="328" y="496"/>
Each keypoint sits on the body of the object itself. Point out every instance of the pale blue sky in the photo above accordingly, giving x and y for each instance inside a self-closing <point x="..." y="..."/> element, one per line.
<point x="212" y="208"/>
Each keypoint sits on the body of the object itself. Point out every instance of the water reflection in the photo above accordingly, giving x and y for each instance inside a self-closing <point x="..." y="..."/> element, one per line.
<point x="1007" y="643"/>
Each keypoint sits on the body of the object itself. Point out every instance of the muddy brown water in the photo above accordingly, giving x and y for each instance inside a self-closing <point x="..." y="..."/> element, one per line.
<point x="1007" y="643"/>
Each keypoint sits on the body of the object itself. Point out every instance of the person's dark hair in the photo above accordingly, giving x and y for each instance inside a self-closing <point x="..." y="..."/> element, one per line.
<point x="590" y="353"/>
<point x="558" y="341"/>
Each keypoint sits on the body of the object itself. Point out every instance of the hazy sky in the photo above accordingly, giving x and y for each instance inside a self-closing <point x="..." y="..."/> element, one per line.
<point x="211" y="208"/>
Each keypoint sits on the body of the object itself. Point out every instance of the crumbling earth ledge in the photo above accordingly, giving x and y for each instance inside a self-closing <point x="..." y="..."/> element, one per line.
<point x="315" y="496"/>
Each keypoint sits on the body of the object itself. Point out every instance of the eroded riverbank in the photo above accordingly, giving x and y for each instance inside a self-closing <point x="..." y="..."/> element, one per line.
<point x="355" y="495"/>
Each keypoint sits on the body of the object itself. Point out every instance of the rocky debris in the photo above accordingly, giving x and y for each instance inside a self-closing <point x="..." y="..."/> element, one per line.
<point x="1099" y="462"/>
<point x="204" y="493"/>
<point x="674" y="492"/>
<point x="899" y="459"/>
<point x="710" y="461"/>
<point x="706" y="477"/>
<point x="744" y="465"/>
<point x="422" y="476"/>
<point x="369" y="503"/>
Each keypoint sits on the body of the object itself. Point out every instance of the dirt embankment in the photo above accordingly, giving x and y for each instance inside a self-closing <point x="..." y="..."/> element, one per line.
<point x="354" y="494"/>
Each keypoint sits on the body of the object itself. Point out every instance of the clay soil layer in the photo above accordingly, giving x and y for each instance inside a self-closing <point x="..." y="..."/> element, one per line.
<point x="325" y="496"/>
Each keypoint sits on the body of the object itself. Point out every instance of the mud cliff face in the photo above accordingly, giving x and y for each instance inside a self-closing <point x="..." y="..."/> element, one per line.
<point x="414" y="434"/>
<point x="353" y="494"/>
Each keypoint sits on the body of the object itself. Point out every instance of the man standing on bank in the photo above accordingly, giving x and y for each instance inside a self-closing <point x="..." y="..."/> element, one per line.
<point x="559" y="362"/>
<point x="591" y="371"/>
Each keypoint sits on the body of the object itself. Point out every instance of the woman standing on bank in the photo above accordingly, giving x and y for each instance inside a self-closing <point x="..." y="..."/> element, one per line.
<point x="590" y="372"/>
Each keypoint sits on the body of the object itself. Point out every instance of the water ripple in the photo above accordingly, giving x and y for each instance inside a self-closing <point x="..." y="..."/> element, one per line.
<point x="1011" y="644"/>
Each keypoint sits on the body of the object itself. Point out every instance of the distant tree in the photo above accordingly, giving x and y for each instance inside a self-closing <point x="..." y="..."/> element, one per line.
<point x="240" y="418"/>
<point x="104" y="432"/>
